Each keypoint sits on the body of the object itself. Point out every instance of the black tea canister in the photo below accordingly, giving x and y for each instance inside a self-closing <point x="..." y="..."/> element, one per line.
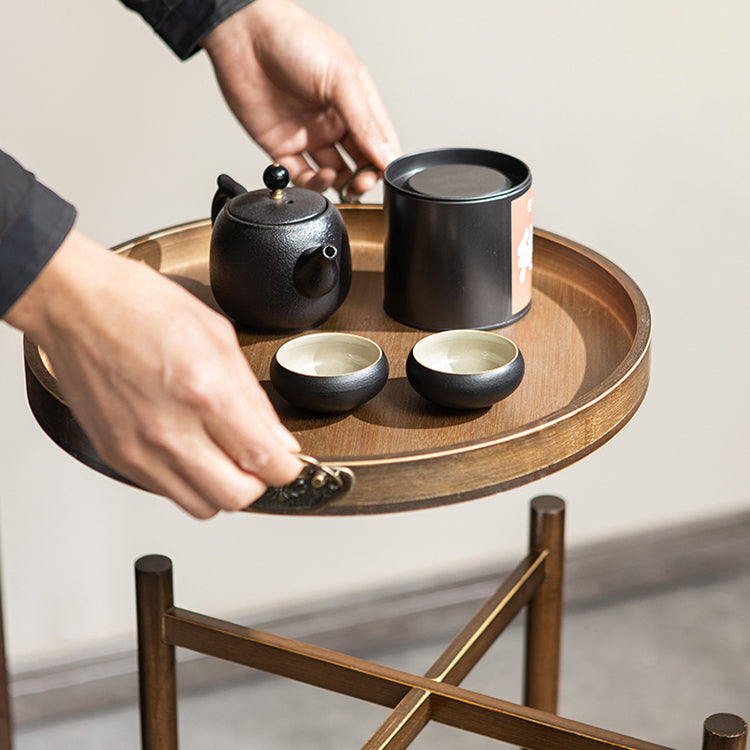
<point x="459" y="239"/>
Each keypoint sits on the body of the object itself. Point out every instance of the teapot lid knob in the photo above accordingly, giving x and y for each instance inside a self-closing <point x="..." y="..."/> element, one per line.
<point x="276" y="178"/>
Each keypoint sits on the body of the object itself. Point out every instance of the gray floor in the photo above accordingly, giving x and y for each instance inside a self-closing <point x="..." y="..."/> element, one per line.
<point x="651" y="667"/>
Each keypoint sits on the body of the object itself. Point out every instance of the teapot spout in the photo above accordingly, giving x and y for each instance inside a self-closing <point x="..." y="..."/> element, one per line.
<point x="316" y="272"/>
<point x="228" y="189"/>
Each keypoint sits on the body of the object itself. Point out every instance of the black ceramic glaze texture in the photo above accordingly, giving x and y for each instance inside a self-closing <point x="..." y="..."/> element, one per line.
<point x="329" y="393"/>
<point x="278" y="264"/>
<point x="449" y="261"/>
<point x="466" y="390"/>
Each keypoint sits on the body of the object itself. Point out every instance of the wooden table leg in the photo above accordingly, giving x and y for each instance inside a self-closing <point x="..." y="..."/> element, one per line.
<point x="544" y="616"/>
<point x="156" y="659"/>
<point x="6" y="733"/>
<point x="724" y="732"/>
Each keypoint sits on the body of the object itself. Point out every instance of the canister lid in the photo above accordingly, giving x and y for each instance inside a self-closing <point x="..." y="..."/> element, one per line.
<point x="459" y="181"/>
<point x="457" y="175"/>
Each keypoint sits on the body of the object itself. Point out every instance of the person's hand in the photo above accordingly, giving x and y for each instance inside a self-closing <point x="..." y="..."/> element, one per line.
<point x="299" y="90"/>
<point x="156" y="379"/>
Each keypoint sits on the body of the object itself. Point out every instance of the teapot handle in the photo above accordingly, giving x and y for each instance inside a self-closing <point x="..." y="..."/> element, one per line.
<point x="228" y="189"/>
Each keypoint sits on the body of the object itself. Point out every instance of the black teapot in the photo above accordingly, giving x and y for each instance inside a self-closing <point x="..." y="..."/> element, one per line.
<point x="280" y="257"/>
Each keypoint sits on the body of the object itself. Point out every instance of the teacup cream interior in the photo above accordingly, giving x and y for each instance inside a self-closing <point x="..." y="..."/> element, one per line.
<point x="465" y="351"/>
<point x="328" y="354"/>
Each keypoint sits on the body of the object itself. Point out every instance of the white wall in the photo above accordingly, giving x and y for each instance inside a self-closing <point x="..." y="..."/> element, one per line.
<point x="634" y="118"/>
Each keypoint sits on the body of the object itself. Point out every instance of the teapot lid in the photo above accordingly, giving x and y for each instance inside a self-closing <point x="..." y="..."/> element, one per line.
<point x="278" y="204"/>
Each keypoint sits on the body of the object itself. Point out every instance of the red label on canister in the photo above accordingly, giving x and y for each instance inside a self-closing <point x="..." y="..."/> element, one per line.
<point x="522" y="238"/>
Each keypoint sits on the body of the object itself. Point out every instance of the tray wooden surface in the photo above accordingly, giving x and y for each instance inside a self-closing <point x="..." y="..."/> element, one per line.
<point x="585" y="342"/>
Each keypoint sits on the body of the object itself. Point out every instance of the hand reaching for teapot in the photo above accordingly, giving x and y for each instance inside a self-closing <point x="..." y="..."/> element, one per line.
<point x="299" y="90"/>
<point x="174" y="407"/>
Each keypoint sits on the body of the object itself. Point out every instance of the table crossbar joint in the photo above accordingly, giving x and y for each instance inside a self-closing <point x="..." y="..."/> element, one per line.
<point x="413" y="712"/>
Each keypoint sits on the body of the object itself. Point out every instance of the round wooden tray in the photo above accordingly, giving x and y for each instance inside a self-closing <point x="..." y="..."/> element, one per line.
<point x="585" y="342"/>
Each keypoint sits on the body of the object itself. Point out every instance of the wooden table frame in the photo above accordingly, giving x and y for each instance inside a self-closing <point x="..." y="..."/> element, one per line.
<point x="535" y="584"/>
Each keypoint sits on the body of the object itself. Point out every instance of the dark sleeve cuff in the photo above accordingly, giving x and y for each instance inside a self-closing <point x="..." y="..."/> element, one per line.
<point x="33" y="223"/>
<point x="182" y="24"/>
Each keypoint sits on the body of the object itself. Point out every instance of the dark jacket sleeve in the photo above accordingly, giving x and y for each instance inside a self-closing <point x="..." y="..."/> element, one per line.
<point x="33" y="223"/>
<point x="182" y="24"/>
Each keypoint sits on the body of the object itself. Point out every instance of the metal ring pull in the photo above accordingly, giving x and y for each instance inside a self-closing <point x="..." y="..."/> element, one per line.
<point x="344" y="196"/>
<point x="316" y="485"/>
